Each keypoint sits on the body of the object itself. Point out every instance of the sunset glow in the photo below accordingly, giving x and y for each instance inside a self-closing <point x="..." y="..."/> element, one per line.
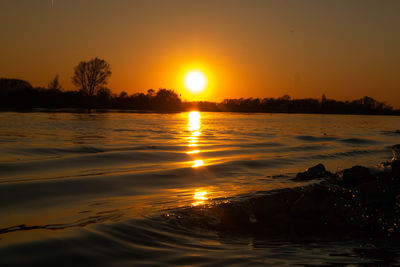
<point x="208" y="57"/>
<point x="199" y="132"/>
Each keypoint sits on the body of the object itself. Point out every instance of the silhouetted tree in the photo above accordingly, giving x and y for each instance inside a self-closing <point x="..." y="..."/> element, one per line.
<point x="91" y="75"/>
<point x="285" y="97"/>
<point x="16" y="93"/>
<point x="54" y="84"/>
<point x="151" y="92"/>
<point x="14" y="84"/>
<point x="123" y="95"/>
<point x="103" y="97"/>
<point x="167" y="100"/>
<point x="104" y="92"/>
<point x="323" y="98"/>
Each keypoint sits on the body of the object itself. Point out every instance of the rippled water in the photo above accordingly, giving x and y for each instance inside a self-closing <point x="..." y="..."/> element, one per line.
<point x="93" y="189"/>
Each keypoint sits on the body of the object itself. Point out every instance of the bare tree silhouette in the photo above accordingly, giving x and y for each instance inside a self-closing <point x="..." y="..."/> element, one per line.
<point x="92" y="75"/>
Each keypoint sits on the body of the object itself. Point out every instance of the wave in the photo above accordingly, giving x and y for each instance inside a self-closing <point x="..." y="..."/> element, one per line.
<point x="128" y="184"/>
<point x="391" y="133"/>
<point x="351" y="214"/>
<point x="358" y="141"/>
<point x="356" y="202"/>
<point x="97" y="161"/>
<point x="351" y="154"/>
<point x="59" y="151"/>
<point x="100" y="217"/>
<point x="311" y="138"/>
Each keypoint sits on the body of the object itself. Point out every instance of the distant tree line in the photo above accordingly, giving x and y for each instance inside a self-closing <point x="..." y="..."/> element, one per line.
<point x="19" y="94"/>
<point x="365" y="105"/>
<point x="91" y="79"/>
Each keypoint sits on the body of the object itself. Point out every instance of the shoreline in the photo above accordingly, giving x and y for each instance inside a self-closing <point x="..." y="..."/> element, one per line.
<point x="138" y="111"/>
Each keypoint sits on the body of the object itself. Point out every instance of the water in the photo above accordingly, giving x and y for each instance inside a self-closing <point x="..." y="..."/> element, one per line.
<point x="97" y="189"/>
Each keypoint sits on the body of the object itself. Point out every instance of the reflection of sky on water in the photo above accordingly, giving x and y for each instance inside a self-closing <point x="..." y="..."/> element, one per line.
<point x="120" y="161"/>
<point x="106" y="167"/>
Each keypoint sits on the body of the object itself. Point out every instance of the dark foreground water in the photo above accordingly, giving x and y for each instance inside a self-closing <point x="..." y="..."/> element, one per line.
<point x="100" y="189"/>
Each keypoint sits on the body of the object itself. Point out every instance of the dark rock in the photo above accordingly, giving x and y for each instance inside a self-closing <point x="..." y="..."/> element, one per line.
<point x="318" y="171"/>
<point x="372" y="193"/>
<point x="354" y="176"/>
<point x="308" y="204"/>
<point x="396" y="168"/>
<point x="361" y="203"/>
<point x="275" y="202"/>
<point x="396" y="152"/>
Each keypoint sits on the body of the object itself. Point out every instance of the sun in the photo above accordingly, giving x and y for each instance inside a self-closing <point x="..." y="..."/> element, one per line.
<point x="195" y="81"/>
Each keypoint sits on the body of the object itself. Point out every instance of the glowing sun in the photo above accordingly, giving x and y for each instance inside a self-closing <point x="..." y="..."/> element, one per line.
<point x="195" y="81"/>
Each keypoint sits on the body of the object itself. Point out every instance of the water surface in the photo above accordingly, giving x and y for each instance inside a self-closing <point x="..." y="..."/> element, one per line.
<point x="97" y="188"/>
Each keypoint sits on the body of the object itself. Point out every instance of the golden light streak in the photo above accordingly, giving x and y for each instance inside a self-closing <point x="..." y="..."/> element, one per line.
<point x="197" y="163"/>
<point x="200" y="197"/>
<point x="194" y="122"/>
<point x="194" y="125"/>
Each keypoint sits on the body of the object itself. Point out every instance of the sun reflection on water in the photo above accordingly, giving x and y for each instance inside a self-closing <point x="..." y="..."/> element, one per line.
<point x="196" y="133"/>
<point x="200" y="197"/>
<point x="194" y="122"/>
<point x="194" y="126"/>
<point x="197" y="163"/>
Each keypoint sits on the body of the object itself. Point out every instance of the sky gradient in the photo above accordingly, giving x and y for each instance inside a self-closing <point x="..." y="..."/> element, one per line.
<point x="345" y="49"/>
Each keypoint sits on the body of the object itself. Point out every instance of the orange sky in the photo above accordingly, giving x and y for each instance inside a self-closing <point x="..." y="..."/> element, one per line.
<point x="345" y="49"/>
